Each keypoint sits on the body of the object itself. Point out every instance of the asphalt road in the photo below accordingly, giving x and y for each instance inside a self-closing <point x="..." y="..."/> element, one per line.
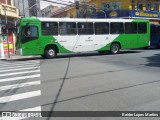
<point x="129" y="81"/>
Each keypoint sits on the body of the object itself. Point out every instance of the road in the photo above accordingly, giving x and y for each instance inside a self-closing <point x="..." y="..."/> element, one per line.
<point x="90" y="82"/>
<point x="128" y="81"/>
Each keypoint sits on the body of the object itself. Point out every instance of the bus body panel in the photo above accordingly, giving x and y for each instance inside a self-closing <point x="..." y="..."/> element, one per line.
<point x="78" y="43"/>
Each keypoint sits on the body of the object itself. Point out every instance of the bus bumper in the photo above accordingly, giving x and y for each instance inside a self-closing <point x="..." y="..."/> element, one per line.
<point x="18" y="52"/>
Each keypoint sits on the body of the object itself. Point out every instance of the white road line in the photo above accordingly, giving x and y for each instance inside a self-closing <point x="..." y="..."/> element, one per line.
<point x="19" y="78"/>
<point x="32" y="109"/>
<point x="20" y="62"/>
<point x="21" y="96"/>
<point x="19" y="69"/>
<point x="17" y="73"/>
<point x="5" y="65"/>
<point x="19" y="85"/>
<point x="4" y="68"/>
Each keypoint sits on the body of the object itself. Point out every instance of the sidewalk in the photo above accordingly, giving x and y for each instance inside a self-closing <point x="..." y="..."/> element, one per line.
<point x="18" y="57"/>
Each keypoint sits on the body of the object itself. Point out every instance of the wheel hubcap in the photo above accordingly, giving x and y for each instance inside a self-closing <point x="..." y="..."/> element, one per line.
<point x="115" y="49"/>
<point x="51" y="52"/>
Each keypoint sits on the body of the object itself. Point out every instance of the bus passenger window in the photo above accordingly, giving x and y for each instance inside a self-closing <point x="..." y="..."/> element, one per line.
<point x="85" y="28"/>
<point x="49" y="28"/>
<point x="116" y="28"/>
<point x="130" y="28"/>
<point x="101" y="28"/>
<point x="142" y="28"/>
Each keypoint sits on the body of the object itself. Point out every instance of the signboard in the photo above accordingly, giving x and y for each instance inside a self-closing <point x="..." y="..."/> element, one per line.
<point x="146" y="14"/>
<point x="5" y="44"/>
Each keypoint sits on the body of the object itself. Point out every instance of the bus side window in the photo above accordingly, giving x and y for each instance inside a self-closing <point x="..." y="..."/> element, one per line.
<point x="29" y="32"/>
<point x="130" y="28"/>
<point x="101" y="28"/>
<point x="116" y="28"/>
<point x="49" y="28"/>
<point x="142" y="28"/>
<point x="85" y="28"/>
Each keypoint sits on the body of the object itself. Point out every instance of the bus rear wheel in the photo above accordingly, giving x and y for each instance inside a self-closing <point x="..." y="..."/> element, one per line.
<point x="115" y="48"/>
<point x="50" y="53"/>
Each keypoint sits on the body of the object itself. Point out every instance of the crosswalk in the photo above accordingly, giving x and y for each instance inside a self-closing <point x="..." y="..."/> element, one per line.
<point x="20" y="86"/>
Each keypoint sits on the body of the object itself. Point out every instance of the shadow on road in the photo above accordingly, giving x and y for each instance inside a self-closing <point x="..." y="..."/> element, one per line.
<point x="153" y="61"/>
<point x="72" y="55"/>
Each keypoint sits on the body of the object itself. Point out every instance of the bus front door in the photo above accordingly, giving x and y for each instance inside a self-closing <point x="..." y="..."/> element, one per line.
<point x="30" y="40"/>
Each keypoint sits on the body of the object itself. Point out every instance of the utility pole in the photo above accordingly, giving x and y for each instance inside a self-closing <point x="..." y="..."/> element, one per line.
<point x="6" y="24"/>
<point x="1" y="42"/>
<point x="77" y="8"/>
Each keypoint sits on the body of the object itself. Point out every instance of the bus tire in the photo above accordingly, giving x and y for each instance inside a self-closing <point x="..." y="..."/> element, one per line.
<point x="50" y="52"/>
<point x="115" y="48"/>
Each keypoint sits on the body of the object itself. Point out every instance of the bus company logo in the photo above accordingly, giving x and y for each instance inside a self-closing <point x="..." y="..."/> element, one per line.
<point x="137" y="13"/>
<point x="113" y="14"/>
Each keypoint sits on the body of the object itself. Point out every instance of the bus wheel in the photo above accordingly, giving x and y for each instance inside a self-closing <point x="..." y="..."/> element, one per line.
<point x="115" y="48"/>
<point x="50" y="53"/>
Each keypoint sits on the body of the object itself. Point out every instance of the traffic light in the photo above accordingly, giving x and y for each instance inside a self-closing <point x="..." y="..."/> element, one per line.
<point x="77" y="4"/>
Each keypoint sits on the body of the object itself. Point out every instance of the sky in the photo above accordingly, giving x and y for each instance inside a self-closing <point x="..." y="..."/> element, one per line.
<point x="44" y="4"/>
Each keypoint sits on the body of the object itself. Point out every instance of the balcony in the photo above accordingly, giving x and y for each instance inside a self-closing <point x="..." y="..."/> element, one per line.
<point x="11" y="11"/>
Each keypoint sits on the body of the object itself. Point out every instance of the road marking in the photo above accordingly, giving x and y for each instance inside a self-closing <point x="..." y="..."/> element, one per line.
<point x="19" y="85"/>
<point x="5" y="65"/>
<point x="17" y="73"/>
<point x="19" y="78"/>
<point x="21" y="96"/>
<point x="32" y="109"/>
<point x="20" y="69"/>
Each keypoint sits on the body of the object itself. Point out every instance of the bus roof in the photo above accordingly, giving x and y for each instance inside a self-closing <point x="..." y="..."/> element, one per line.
<point x="37" y="19"/>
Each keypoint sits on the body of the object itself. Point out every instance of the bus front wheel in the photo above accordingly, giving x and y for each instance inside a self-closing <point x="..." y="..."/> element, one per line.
<point x="115" y="48"/>
<point x="50" y="53"/>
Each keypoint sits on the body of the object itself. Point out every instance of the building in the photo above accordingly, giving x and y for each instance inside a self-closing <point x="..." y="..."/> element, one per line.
<point x="22" y="6"/>
<point x="146" y="9"/>
<point x="8" y="15"/>
<point x="49" y="10"/>
<point x="28" y="8"/>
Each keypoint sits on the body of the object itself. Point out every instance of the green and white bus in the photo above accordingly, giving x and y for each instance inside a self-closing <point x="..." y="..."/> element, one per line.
<point x="50" y="36"/>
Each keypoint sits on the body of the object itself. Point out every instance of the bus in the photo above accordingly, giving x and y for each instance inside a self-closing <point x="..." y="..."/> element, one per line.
<point x="49" y="36"/>
<point x="155" y="36"/>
